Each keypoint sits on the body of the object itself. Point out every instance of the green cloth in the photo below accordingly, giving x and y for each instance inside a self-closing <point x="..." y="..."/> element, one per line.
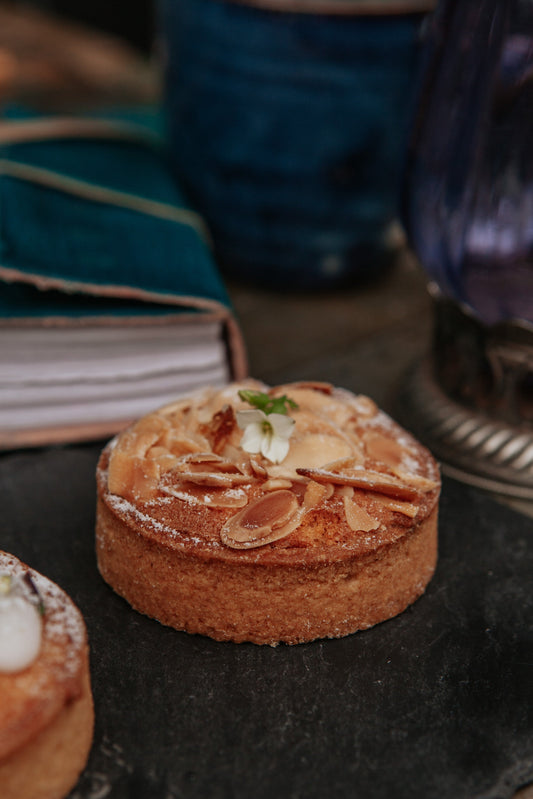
<point x="70" y="237"/>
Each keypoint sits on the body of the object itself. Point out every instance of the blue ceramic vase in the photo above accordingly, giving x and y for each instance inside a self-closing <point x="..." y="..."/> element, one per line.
<point x="288" y="131"/>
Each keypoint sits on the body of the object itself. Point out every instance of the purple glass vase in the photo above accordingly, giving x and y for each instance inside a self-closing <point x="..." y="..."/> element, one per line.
<point x="469" y="189"/>
<point x="468" y="212"/>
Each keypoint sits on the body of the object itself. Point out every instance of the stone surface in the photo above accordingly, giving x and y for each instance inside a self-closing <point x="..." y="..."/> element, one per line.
<point x="435" y="703"/>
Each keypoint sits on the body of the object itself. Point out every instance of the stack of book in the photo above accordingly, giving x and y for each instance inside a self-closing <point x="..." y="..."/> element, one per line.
<point x="110" y="300"/>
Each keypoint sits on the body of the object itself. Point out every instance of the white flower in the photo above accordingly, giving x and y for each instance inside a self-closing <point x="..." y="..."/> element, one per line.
<point x="267" y="434"/>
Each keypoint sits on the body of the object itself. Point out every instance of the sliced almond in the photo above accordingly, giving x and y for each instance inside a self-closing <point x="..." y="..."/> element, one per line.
<point x="175" y="409"/>
<point x="183" y="445"/>
<point x="153" y="423"/>
<point x="164" y="459"/>
<point x="312" y="449"/>
<point x="207" y="462"/>
<point x="417" y="481"/>
<point x="239" y="459"/>
<point x="219" y="430"/>
<point x="382" y="448"/>
<point x="120" y="473"/>
<point x="363" y="405"/>
<point x="308" y="399"/>
<point x="137" y="444"/>
<point x="342" y="465"/>
<point x="409" y="509"/>
<point x="199" y="460"/>
<point x="257" y="467"/>
<point x="357" y="517"/>
<point x="310" y="420"/>
<point x="215" y="479"/>
<point x="131" y="477"/>
<point x="274" y="484"/>
<point x="366" y="480"/>
<point x="262" y="521"/>
<point x="145" y="479"/>
<point x="125" y="471"/>
<point x="315" y="493"/>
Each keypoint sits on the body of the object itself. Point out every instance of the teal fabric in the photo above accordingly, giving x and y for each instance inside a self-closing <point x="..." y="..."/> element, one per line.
<point x="58" y="235"/>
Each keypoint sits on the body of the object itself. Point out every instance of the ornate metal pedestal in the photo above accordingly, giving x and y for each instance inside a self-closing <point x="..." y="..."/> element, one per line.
<point x="471" y="400"/>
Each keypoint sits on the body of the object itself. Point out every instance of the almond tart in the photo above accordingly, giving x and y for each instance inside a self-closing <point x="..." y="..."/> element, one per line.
<point x="46" y="706"/>
<point x="242" y="524"/>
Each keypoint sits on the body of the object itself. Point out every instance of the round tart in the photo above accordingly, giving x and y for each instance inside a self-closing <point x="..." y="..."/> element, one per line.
<point x="264" y="514"/>
<point x="46" y="707"/>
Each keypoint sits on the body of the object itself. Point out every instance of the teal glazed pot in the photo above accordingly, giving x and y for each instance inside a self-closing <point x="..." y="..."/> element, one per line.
<point x="287" y="130"/>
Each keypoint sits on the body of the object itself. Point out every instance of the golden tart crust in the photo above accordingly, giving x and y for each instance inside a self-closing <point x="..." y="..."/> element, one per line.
<point x="207" y="538"/>
<point x="46" y="709"/>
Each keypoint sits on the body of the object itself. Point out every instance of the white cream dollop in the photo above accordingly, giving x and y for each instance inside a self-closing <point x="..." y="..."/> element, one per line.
<point x="20" y="633"/>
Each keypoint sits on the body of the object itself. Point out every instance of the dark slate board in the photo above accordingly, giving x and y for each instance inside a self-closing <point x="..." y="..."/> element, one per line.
<point x="435" y="703"/>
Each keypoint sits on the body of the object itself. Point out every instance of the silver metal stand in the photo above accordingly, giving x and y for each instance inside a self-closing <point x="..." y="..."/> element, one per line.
<point x="471" y="401"/>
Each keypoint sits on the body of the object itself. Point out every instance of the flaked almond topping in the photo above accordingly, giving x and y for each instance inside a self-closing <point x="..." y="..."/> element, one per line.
<point x="409" y="509"/>
<point x="384" y="449"/>
<point x="316" y="493"/>
<point x="417" y="481"/>
<point x="164" y="459"/>
<point x="308" y="421"/>
<point x="274" y="484"/>
<point x="197" y="462"/>
<point x="357" y="517"/>
<point x="264" y="520"/>
<point x="309" y="399"/>
<point x="365" y="480"/>
<point x="132" y="477"/>
<point x="211" y="478"/>
<point x="153" y="423"/>
<point x="174" y="410"/>
<point x="364" y="406"/>
<point x="183" y="445"/>
<point x="238" y="458"/>
<point x="207" y="468"/>
<point x="313" y="449"/>
<point x="157" y="451"/>
<point x="136" y="444"/>
<point x="220" y="428"/>
<point x="343" y="465"/>
<point x="200" y="457"/>
<point x="257" y="467"/>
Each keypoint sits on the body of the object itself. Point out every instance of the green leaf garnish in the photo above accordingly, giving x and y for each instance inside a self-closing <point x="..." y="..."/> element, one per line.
<point x="266" y="403"/>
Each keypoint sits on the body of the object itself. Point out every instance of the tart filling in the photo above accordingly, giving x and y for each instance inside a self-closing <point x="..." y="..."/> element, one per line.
<point x="21" y="609"/>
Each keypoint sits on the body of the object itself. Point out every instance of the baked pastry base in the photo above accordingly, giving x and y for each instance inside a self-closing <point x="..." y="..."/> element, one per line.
<point x="291" y="603"/>
<point x="49" y="765"/>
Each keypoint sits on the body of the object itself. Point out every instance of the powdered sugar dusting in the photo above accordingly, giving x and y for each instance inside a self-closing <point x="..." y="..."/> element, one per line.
<point x="125" y="507"/>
